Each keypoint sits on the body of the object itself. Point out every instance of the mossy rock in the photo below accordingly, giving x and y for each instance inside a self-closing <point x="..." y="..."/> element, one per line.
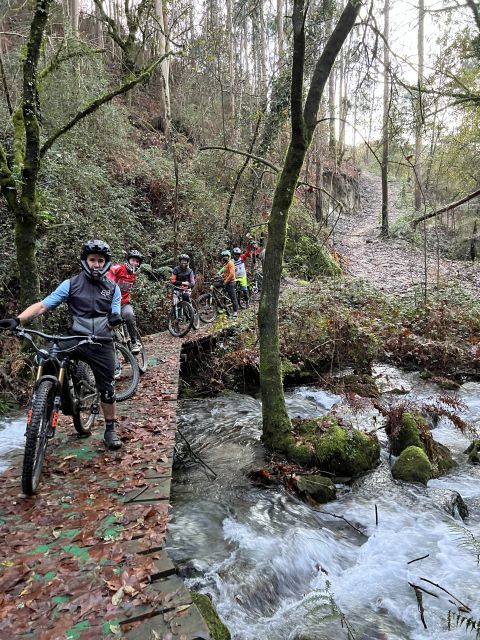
<point x="302" y="455"/>
<point x="346" y="452"/>
<point x="409" y="434"/>
<point x="318" y="488"/>
<point x="441" y="460"/>
<point x="216" y="627"/>
<point x="413" y="465"/>
<point x="326" y="444"/>
<point x="473" y="452"/>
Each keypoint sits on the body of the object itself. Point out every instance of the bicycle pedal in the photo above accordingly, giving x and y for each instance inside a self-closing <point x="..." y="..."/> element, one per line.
<point x="95" y="410"/>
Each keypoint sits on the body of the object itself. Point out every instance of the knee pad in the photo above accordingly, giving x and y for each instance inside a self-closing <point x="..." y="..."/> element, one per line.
<point x="107" y="396"/>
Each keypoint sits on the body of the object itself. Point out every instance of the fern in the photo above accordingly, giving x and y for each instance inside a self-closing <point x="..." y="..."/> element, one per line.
<point x="458" y="620"/>
<point x="466" y="539"/>
<point x="323" y="599"/>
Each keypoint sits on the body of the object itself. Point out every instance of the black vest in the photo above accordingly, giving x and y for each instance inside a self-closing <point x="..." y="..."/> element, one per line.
<point x="90" y="304"/>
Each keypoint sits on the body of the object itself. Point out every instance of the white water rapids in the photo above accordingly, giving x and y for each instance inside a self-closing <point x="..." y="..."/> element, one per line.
<point x="279" y="570"/>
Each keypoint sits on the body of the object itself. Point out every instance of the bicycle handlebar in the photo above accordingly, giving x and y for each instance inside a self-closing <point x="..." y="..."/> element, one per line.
<point x="90" y="339"/>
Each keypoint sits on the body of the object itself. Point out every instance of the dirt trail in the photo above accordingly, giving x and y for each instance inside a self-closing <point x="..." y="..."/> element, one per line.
<point x="393" y="265"/>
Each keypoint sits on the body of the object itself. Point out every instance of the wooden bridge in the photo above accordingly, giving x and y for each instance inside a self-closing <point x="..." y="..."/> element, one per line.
<point x="84" y="559"/>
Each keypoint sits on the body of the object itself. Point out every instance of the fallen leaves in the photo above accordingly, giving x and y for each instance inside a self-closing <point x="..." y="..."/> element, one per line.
<point x="67" y="566"/>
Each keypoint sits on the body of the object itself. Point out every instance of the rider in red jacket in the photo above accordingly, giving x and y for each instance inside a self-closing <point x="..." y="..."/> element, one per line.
<point x="125" y="275"/>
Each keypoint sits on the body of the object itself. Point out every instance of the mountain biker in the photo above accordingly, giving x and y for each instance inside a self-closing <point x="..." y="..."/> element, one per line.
<point x="228" y="276"/>
<point x="182" y="275"/>
<point x="240" y="270"/>
<point x="94" y="304"/>
<point x="125" y="275"/>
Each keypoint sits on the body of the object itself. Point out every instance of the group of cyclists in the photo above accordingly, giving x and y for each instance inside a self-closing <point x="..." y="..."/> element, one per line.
<point x="98" y="299"/>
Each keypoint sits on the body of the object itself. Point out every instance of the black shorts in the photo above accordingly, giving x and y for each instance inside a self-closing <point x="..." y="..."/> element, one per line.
<point x="101" y="359"/>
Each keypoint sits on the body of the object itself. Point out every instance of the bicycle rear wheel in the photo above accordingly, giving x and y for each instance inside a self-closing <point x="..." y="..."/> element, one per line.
<point x="207" y="308"/>
<point x="181" y="319"/>
<point x="127" y="373"/>
<point x="38" y="423"/>
<point x="87" y="399"/>
<point x="141" y="356"/>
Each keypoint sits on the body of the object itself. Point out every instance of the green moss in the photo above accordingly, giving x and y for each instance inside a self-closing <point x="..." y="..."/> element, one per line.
<point x="216" y="627"/>
<point x="347" y="453"/>
<point x="302" y="455"/>
<point x="326" y="444"/>
<point x="441" y="460"/>
<point x="319" y="488"/>
<point x="409" y="434"/>
<point x="413" y="465"/>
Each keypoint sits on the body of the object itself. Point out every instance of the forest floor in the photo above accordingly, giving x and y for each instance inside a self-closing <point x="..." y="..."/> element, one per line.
<point x="394" y="265"/>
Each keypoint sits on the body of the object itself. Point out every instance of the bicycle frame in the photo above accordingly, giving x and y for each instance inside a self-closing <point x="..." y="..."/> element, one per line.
<point x="52" y="365"/>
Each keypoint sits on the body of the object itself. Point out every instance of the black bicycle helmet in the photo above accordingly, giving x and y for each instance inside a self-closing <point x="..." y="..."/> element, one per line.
<point x="96" y="246"/>
<point x="184" y="256"/>
<point x="133" y="253"/>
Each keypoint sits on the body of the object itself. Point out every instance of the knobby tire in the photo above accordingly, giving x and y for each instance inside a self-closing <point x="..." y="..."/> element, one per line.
<point x="36" y="436"/>
<point x="127" y="363"/>
<point x="184" y="310"/>
<point x="86" y="395"/>
<point x="207" y="308"/>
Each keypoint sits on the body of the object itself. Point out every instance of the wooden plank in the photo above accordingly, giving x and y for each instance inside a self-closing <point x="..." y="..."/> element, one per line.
<point x="156" y="489"/>
<point x="176" y="594"/>
<point x="186" y="623"/>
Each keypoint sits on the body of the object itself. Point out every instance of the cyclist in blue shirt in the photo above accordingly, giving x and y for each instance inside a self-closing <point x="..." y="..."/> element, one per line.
<point x="94" y="304"/>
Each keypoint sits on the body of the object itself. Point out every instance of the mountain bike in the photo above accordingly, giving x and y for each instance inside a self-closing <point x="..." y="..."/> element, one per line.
<point x="209" y="304"/>
<point x="183" y="315"/>
<point x="62" y="383"/>
<point x="122" y="336"/>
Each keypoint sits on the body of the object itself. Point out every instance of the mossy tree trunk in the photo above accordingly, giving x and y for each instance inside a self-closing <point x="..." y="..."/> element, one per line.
<point x="20" y="164"/>
<point x="276" y="423"/>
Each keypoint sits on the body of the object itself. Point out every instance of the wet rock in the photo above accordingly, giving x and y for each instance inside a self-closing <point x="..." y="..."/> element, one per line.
<point x="347" y="452"/>
<point x="441" y="459"/>
<point x="409" y="434"/>
<point x="473" y="452"/>
<point x="389" y="380"/>
<point x="216" y="627"/>
<point x="431" y="418"/>
<point x="451" y="501"/>
<point x="413" y="465"/>
<point x="318" y="488"/>
<point x="326" y="444"/>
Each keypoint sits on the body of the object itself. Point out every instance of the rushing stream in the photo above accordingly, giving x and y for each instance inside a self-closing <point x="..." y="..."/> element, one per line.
<point x="279" y="569"/>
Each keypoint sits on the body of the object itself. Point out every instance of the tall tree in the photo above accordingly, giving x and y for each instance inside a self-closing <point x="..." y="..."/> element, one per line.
<point x="303" y="119"/>
<point x="419" y="109"/>
<point x="386" y="115"/>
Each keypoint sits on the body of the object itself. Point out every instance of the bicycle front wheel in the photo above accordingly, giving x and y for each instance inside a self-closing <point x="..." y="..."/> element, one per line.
<point x="181" y="319"/>
<point x="127" y="373"/>
<point x="207" y="308"/>
<point x="38" y="424"/>
<point x="87" y="402"/>
<point x="196" y="317"/>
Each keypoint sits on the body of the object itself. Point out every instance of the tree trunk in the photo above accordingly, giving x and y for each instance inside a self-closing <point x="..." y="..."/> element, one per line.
<point x="75" y="15"/>
<point x="386" y="115"/>
<point x="276" y="423"/>
<point x="419" y="118"/>
<point x="279" y="29"/>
